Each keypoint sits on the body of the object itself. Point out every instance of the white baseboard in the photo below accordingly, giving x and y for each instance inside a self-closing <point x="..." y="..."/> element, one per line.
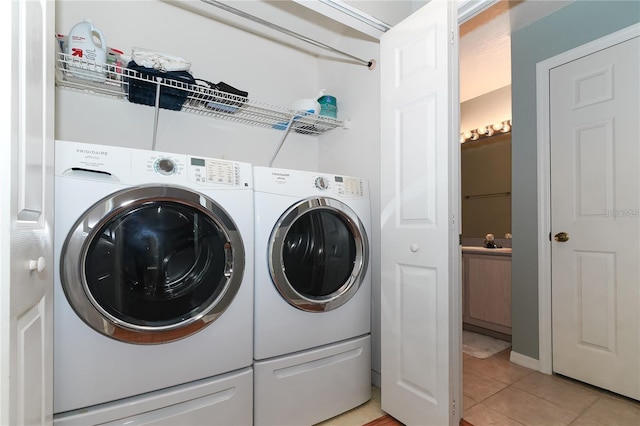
<point x="524" y="361"/>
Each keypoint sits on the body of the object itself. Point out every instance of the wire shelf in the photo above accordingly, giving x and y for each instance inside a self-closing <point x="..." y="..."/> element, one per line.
<point x="117" y="81"/>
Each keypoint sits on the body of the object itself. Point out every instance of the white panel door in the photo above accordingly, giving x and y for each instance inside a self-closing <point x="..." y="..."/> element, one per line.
<point x="26" y="261"/>
<point x="420" y="258"/>
<point x="595" y="189"/>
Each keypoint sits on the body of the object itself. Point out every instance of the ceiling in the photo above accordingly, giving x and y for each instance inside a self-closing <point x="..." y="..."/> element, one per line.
<point x="485" y="43"/>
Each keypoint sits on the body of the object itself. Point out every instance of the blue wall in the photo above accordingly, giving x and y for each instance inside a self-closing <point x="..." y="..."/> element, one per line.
<point x="579" y="23"/>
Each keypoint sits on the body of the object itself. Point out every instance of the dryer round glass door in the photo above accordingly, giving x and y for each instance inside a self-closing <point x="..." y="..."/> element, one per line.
<point x="318" y="254"/>
<point x="152" y="264"/>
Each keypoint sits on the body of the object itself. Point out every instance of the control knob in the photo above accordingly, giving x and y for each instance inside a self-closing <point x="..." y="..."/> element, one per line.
<point x="322" y="183"/>
<point x="165" y="166"/>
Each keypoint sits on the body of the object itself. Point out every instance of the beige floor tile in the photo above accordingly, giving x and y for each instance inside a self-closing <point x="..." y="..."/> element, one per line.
<point x="583" y="421"/>
<point x="505" y="354"/>
<point x="479" y="387"/>
<point x="503" y="370"/>
<point x="529" y="409"/>
<point x="355" y="418"/>
<point x="481" y="415"/>
<point x="467" y="402"/>
<point x="562" y="392"/>
<point x="473" y="364"/>
<point x="535" y="399"/>
<point x="611" y="412"/>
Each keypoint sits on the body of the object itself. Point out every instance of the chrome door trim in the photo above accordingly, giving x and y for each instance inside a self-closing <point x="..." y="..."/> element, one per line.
<point x="74" y="254"/>
<point x="276" y="262"/>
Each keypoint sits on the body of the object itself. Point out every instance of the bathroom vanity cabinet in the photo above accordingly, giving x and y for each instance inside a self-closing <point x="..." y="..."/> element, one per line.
<point x="486" y="290"/>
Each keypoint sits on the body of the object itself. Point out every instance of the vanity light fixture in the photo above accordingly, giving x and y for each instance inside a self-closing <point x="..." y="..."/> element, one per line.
<point x="486" y="131"/>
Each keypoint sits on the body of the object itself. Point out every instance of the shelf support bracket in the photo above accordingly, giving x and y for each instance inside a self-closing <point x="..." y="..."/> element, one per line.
<point x="284" y="136"/>
<point x="156" y="115"/>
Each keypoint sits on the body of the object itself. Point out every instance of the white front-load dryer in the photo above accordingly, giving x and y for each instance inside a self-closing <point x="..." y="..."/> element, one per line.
<point x="153" y="289"/>
<point x="312" y="296"/>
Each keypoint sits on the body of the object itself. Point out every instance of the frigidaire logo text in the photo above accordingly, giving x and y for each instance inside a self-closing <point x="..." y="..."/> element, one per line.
<point x="91" y="151"/>
<point x="281" y="174"/>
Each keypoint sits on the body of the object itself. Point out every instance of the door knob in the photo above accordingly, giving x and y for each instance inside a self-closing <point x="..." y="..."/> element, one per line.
<point x="37" y="265"/>
<point x="561" y="237"/>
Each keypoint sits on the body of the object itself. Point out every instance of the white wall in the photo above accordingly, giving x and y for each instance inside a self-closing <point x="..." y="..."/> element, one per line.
<point x="356" y="151"/>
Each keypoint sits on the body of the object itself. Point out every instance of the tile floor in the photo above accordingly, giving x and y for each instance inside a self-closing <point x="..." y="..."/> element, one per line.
<point x="360" y="415"/>
<point x="498" y="392"/>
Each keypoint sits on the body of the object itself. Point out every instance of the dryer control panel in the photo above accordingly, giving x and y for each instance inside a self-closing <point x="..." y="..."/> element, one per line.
<point x="299" y="183"/>
<point x="341" y="186"/>
<point x="349" y="187"/>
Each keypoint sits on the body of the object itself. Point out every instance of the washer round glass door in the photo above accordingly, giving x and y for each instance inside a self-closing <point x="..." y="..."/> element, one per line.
<point x="318" y="254"/>
<point x="152" y="264"/>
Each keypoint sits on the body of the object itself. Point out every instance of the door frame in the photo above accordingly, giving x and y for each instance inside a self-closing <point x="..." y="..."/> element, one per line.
<point x="543" y="68"/>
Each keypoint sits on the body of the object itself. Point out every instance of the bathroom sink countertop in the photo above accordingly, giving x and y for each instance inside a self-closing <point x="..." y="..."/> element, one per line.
<point x="506" y="251"/>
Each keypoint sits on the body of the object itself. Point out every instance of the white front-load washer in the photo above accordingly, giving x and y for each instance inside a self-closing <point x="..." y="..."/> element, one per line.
<point x="153" y="297"/>
<point x="312" y="301"/>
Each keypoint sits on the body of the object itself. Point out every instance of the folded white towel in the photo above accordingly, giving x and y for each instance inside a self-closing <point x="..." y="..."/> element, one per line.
<point x="159" y="61"/>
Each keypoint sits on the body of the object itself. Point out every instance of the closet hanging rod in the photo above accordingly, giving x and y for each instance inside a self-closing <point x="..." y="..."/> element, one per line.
<point x="370" y="64"/>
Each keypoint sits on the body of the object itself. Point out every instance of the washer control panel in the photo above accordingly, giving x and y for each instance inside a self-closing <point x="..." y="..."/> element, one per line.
<point x="165" y="165"/>
<point x="184" y="169"/>
<point x="213" y="171"/>
<point x="321" y="183"/>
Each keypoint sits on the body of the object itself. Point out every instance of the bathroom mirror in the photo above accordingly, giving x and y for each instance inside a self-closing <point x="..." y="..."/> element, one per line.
<point x="486" y="186"/>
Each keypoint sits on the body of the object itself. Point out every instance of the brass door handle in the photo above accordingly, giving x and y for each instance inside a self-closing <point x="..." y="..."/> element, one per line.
<point x="561" y="237"/>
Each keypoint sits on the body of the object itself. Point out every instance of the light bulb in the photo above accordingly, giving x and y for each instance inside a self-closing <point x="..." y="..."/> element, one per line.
<point x="482" y="131"/>
<point x="467" y="135"/>
<point x="474" y="136"/>
<point x="497" y="126"/>
<point x="462" y="138"/>
<point x="506" y="128"/>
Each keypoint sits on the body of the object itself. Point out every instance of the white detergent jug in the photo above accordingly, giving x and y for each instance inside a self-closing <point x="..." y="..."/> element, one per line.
<point x="308" y="105"/>
<point x="87" y="59"/>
